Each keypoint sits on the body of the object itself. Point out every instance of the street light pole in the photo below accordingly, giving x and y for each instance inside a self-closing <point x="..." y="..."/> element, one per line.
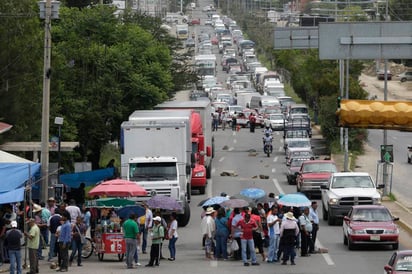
<point x="46" y="104"/>
<point x="59" y="121"/>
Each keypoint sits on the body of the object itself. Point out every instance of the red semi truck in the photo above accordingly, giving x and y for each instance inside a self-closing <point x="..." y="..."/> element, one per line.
<point x="201" y="137"/>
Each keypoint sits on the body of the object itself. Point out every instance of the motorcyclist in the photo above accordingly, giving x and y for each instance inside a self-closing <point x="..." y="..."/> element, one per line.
<point x="267" y="130"/>
<point x="267" y="139"/>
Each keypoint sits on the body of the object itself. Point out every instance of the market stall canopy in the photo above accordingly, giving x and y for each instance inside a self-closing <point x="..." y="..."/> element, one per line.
<point x="118" y="188"/>
<point x="109" y="202"/>
<point x="89" y="178"/>
<point x="15" y="172"/>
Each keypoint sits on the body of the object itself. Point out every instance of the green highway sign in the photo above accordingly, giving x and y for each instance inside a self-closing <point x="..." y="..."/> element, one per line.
<point x="387" y="153"/>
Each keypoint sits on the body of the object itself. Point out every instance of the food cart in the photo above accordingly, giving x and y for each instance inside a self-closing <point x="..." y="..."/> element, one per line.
<point x="108" y="236"/>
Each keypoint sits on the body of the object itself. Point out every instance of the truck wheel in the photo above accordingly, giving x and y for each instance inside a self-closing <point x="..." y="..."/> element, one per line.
<point x="209" y="170"/>
<point x="324" y="213"/>
<point x="331" y="219"/>
<point x="183" y="219"/>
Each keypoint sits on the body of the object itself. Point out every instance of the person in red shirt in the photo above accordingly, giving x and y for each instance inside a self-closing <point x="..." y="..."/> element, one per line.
<point x="248" y="226"/>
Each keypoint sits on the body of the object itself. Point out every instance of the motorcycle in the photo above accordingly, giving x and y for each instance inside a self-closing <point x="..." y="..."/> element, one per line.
<point x="267" y="148"/>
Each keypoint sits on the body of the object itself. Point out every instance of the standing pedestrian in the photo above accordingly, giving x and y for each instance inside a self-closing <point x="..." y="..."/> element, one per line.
<point x="2" y="233"/>
<point x="173" y="236"/>
<point x="236" y="232"/>
<point x="215" y="117"/>
<point x="221" y="235"/>
<point x="223" y="118"/>
<point x="64" y="242"/>
<point x="313" y="215"/>
<point x="305" y="232"/>
<point x="252" y="122"/>
<point x="208" y="231"/>
<point x="78" y="236"/>
<point x="248" y="226"/>
<point x="33" y="240"/>
<point x="13" y="239"/>
<point x="131" y="235"/>
<point x="53" y="223"/>
<point x="51" y="205"/>
<point x="234" y="121"/>
<point x="74" y="211"/>
<point x="148" y="223"/>
<point x="157" y="234"/>
<point x="289" y="230"/>
<point x="273" y="222"/>
<point x="258" y="236"/>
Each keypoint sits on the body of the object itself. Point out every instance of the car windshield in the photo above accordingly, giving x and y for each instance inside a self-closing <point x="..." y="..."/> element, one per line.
<point x="296" y="134"/>
<point x="352" y="181"/>
<point x="276" y="117"/>
<point x="371" y="215"/>
<point x="319" y="167"/>
<point x="299" y="144"/>
<point x="404" y="263"/>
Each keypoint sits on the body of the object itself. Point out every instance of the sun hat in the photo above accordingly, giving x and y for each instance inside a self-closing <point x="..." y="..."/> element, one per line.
<point x="51" y="199"/>
<point x="157" y="218"/>
<point x="289" y="215"/>
<point x="36" y="208"/>
<point x="209" y="210"/>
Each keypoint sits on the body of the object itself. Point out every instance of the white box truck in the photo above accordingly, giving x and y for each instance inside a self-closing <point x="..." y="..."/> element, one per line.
<point x="157" y="154"/>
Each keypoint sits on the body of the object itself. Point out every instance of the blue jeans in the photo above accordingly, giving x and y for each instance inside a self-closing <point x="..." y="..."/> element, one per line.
<point x="76" y="249"/>
<point x="15" y="261"/>
<point x="144" y="231"/>
<point x="52" y="246"/>
<point x="221" y="246"/>
<point x="273" y="247"/>
<point x="245" y="243"/>
<point x="172" y="247"/>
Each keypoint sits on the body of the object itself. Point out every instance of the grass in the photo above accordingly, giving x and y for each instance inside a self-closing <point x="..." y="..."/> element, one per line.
<point x="392" y="197"/>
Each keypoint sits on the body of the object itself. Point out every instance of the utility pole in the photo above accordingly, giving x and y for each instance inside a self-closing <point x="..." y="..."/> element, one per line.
<point x="46" y="105"/>
<point x="48" y="10"/>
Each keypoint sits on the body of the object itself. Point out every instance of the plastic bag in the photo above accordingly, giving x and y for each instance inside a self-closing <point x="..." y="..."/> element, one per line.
<point x="234" y="245"/>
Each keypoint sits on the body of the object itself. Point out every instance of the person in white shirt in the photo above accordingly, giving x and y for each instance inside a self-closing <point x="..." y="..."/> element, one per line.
<point x="74" y="211"/>
<point x="273" y="222"/>
<point x="173" y="236"/>
<point x="305" y="232"/>
<point x="313" y="214"/>
<point x="208" y="230"/>
<point x="148" y="225"/>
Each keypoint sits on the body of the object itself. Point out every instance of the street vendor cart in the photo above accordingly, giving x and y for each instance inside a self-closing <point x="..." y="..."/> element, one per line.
<point x="110" y="243"/>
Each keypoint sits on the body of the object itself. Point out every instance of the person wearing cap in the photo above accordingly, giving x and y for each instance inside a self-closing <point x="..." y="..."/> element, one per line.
<point x="13" y="238"/>
<point x="289" y="230"/>
<point x="33" y="241"/>
<point x="306" y="228"/>
<point x="157" y="234"/>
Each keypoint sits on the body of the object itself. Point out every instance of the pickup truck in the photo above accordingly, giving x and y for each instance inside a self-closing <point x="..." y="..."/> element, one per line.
<point x="344" y="190"/>
<point x="313" y="174"/>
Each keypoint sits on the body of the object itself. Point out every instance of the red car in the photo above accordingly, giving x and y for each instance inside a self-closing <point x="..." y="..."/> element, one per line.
<point x="400" y="262"/>
<point x="370" y="225"/>
<point x="214" y="40"/>
<point x="194" y="21"/>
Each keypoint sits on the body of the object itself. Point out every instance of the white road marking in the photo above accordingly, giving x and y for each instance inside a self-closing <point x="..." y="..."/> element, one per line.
<point x="231" y="148"/>
<point x="275" y="159"/>
<point x="221" y="159"/>
<point x="277" y="186"/>
<point x="273" y="170"/>
<point x="326" y="256"/>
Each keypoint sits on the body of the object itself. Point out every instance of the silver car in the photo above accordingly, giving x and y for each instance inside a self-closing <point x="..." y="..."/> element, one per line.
<point x="406" y="76"/>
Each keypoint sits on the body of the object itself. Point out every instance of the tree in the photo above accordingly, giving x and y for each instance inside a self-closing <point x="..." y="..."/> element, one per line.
<point x="21" y="66"/>
<point x="105" y="70"/>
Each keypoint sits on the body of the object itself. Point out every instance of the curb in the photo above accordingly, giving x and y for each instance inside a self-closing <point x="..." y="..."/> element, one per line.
<point x="407" y="227"/>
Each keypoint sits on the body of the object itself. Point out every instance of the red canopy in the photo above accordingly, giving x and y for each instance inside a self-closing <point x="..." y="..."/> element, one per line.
<point x="118" y="188"/>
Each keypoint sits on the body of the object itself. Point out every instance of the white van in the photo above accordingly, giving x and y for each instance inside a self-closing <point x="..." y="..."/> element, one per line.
<point x="263" y="102"/>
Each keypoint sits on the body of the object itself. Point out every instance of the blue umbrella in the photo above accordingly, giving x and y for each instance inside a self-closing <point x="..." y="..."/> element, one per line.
<point x="253" y="193"/>
<point x="295" y="200"/>
<point x="125" y="211"/>
<point x="215" y="201"/>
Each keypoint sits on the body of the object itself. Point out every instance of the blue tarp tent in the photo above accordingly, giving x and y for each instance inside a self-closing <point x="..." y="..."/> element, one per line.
<point x="89" y="178"/>
<point x="13" y="177"/>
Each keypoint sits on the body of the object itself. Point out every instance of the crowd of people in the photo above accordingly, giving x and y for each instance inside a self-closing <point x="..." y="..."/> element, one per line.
<point x="240" y="233"/>
<point x="63" y="228"/>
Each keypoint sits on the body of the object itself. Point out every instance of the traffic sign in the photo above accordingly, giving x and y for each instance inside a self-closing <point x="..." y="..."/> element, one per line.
<point x="387" y="153"/>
